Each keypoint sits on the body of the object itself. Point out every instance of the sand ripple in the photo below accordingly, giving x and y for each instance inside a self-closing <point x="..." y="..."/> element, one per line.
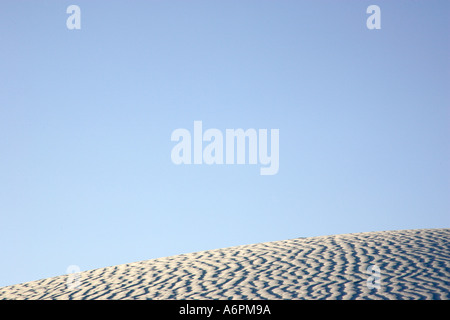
<point x="414" y="264"/>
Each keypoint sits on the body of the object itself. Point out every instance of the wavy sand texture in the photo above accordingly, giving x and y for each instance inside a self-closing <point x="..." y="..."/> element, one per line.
<point x="414" y="264"/>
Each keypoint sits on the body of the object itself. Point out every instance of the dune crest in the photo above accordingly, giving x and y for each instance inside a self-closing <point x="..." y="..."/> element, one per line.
<point x="413" y="264"/>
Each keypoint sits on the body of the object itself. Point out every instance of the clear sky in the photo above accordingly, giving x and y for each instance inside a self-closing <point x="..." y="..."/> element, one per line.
<point x="86" y="117"/>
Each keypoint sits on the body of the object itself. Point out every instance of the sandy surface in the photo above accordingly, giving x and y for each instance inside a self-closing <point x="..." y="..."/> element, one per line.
<point x="413" y="264"/>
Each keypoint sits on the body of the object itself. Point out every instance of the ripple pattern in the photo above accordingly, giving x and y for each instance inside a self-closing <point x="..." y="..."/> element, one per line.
<point x="414" y="264"/>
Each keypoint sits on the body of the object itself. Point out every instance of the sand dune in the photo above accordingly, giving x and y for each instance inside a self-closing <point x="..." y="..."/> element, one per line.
<point x="413" y="264"/>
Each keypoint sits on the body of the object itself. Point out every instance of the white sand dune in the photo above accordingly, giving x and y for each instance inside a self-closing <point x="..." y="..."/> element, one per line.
<point x="414" y="264"/>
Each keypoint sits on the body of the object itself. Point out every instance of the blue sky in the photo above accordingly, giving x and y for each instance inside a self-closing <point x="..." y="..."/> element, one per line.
<point x="86" y="118"/>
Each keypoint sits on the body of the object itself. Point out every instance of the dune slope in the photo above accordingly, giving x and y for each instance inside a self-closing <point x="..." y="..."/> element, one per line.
<point x="413" y="264"/>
